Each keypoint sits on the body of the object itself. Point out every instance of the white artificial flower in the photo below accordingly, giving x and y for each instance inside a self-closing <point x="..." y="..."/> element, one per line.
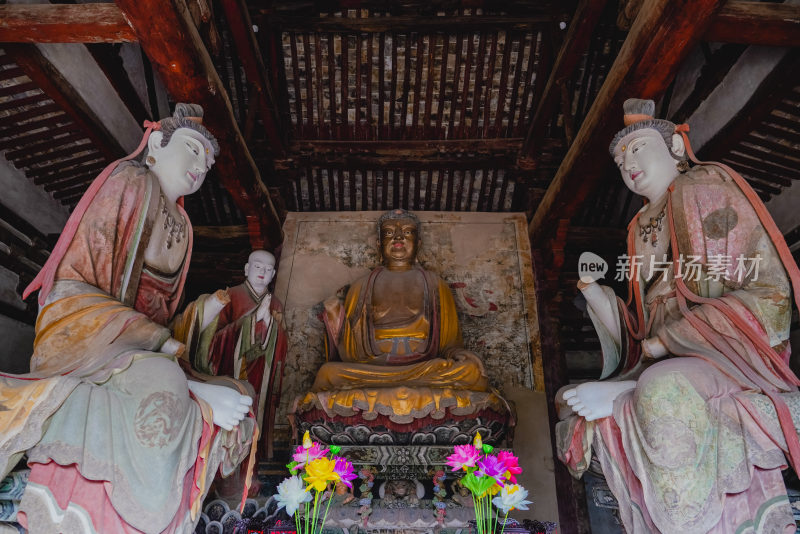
<point x="511" y="496"/>
<point x="291" y="494"/>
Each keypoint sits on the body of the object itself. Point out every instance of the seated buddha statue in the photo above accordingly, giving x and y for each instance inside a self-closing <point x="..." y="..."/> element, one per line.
<point x="394" y="346"/>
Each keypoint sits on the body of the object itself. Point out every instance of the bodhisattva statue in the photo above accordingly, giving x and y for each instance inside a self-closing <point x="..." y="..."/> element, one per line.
<point x="116" y="437"/>
<point x="394" y="343"/>
<point x="247" y="341"/>
<point x="691" y="443"/>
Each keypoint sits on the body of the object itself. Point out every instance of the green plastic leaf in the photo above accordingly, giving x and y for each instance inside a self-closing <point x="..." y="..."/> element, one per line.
<point x="335" y="449"/>
<point x="487" y="449"/>
<point x="478" y="486"/>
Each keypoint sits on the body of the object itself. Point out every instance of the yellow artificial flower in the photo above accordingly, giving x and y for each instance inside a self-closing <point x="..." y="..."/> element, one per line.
<point x="307" y="443"/>
<point x="319" y="472"/>
<point x="477" y="442"/>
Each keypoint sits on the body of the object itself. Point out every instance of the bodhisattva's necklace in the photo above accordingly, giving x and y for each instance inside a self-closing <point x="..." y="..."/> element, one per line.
<point x="649" y="230"/>
<point x="176" y="229"/>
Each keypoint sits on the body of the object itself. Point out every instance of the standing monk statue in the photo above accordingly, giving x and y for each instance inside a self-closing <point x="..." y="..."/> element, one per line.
<point x="247" y="341"/>
<point x="117" y="438"/>
<point x="694" y="443"/>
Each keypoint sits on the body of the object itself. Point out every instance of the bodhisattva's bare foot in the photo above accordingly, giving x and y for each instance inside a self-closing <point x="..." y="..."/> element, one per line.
<point x="228" y="405"/>
<point x="595" y="400"/>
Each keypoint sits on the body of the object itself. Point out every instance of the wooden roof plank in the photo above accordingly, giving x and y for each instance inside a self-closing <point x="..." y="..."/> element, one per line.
<point x="662" y="34"/>
<point x="171" y="41"/>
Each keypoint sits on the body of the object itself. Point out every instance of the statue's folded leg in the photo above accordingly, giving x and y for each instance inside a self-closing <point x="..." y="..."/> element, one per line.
<point x="116" y="452"/>
<point x="437" y="372"/>
<point x="681" y="449"/>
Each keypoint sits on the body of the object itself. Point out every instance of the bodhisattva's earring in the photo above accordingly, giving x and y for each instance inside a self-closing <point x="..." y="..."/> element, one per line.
<point x="150" y="160"/>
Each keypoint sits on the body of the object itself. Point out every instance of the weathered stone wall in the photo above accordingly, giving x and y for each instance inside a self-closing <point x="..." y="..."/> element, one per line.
<point x="485" y="257"/>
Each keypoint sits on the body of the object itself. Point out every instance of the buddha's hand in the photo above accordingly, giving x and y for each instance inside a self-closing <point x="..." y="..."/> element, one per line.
<point x="262" y="312"/>
<point x="595" y="400"/>
<point x="228" y="406"/>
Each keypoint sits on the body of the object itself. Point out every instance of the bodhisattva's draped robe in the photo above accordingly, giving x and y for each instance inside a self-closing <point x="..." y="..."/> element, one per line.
<point x="115" y="441"/>
<point x="696" y="447"/>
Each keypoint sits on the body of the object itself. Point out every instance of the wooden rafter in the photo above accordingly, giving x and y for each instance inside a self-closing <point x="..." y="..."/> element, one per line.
<point x="242" y="29"/>
<point x="171" y="41"/>
<point x="662" y="35"/>
<point x="575" y="44"/>
<point x="63" y="23"/>
<point x="780" y="82"/>
<point x="46" y="77"/>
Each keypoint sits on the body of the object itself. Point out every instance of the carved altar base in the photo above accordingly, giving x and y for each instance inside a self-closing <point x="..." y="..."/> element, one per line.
<point x="452" y="418"/>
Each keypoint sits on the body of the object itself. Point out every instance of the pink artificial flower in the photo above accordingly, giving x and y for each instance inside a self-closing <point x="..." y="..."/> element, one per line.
<point x="304" y="455"/>
<point x="464" y="456"/>
<point x="512" y="465"/>
<point x="345" y="471"/>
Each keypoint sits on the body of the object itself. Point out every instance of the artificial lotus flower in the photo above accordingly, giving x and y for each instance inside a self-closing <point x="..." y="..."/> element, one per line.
<point x="291" y="494"/>
<point x="345" y="470"/>
<point x="303" y="455"/>
<point x="319" y="472"/>
<point x="511" y="497"/>
<point x="464" y="456"/>
<point x="512" y="465"/>
<point x="477" y="442"/>
<point x="492" y="466"/>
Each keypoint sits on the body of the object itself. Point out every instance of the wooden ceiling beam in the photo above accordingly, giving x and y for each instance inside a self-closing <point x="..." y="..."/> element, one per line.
<point x="756" y="23"/>
<point x="661" y="36"/>
<point x="172" y="43"/>
<point x="421" y="24"/>
<point x="423" y="6"/>
<point x="455" y="154"/>
<point x="64" y="23"/>
<point x="575" y="44"/>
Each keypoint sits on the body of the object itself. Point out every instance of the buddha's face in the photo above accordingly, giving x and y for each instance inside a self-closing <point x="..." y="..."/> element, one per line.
<point x="399" y="242"/>
<point x="646" y="163"/>
<point x="260" y="269"/>
<point x="182" y="164"/>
